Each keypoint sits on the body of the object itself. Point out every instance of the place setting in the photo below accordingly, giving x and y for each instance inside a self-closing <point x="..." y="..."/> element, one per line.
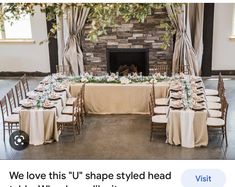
<point x="27" y="103"/>
<point x="176" y="104"/>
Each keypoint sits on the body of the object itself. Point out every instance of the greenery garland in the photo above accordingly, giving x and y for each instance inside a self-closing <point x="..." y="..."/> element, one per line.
<point x="119" y="79"/>
<point x="101" y="15"/>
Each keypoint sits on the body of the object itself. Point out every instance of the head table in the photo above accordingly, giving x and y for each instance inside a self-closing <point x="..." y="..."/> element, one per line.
<point x="119" y="98"/>
<point x="185" y="127"/>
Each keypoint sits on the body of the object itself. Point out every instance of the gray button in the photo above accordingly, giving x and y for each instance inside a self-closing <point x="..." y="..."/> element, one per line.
<point x="19" y="140"/>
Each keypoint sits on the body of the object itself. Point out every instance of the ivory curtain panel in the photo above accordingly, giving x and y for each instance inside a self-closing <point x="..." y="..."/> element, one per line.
<point x="184" y="53"/>
<point x="61" y="38"/>
<point x="73" y="56"/>
<point x="196" y="18"/>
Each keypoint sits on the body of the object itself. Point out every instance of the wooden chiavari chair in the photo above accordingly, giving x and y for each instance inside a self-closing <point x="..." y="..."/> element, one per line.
<point x="66" y="120"/>
<point x="220" y="123"/>
<point x="215" y="92"/>
<point x="221" y="92"/>
<point x="12" y="102"/>
<point x="213" y="102"/>
<point x="68" y="110"/>
<point x="158" y="109"/>
<point x="158" y="122"/>
<point x="70" y="100"/>
<point x="163" y="101"/>
<point x="10" y="121"/>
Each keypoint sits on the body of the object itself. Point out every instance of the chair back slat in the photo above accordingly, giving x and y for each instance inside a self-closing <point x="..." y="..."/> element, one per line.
<point x="25" y="84"/>
<point x="184" y="68"/>
<point x="224" y="108"/>
<point x="220" y="81"/>
<point x="221" y="90"/>
<point x="151" y="105"/>
<point x="83" y="99"/>
<point x="161" y="68"/>
<point x="151" y="109"/>
<point x="83" y="92"/>
<point x="63" y="69"/>
<point x="18" y="90"/>
<point x="11" y="100"/>
<point x="153" y="90"/>
<point x="4" y="109"/>
<point x="77" y="107"/>
<point x="220" y="86"/>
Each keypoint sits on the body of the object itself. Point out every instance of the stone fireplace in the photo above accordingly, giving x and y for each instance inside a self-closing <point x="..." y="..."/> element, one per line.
<point x="125" y="61"/>
<point x="126" y="39"/>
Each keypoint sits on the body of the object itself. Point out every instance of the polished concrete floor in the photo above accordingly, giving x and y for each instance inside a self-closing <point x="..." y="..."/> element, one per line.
<point x="122" y="137"/>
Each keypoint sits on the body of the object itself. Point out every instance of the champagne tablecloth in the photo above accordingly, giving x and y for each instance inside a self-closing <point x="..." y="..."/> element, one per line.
<point x="40" y="124"/>
<point x="119" y="98"/>
<point x="187" y="128"/>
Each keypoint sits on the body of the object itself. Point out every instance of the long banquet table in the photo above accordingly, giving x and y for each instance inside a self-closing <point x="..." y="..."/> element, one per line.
<point x="118" y="98"/>
<point x="187" y="116"/>
<point x="40" y="123"/>
<point x="185" y="127"/>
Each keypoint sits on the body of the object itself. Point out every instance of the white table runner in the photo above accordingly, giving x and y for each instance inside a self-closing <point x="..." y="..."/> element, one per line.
<point x="186" y="128"/>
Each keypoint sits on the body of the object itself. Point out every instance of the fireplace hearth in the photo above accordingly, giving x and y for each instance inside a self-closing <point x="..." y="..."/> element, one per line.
<point x="126" y="61"/>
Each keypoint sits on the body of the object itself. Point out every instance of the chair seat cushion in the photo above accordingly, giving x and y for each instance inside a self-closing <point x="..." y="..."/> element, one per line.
<point x="212" y="105"/>
<point x="64" y="119"/>
<point x="70" y="101"/>
<point x="162" y="101"/>
<point x="16" y="110"/>
<point x="67" y="110"/>
<point x="211" y="92"/>
<point x="14" y="118"/>
<point x="159" y="119"/>
<point x="213" y="99"/>
<point x="215" y="122"/>
<point x="161" y="109"/>
<point x="215" y="113"/>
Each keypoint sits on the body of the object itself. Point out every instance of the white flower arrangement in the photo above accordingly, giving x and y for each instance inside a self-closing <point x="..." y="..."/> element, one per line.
<point x="112" y="75"/>
<point x="110" y="79"/>
<point x="86" y="74"/>
<point x="98" y="78"/>
<point x="153" y="81"/>
<point x="192" y="78"/>
<point x="135" y="74"/>
<point x="157" y="76"/>
<point x="84" y="80"/>
<point x="182" y="75"/>
<point x="125" y="80"/>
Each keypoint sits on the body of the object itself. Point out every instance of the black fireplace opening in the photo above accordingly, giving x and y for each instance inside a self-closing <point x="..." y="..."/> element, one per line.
<point x="126" y="61"/>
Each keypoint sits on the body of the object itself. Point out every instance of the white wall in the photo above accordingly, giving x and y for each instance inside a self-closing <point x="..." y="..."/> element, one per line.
<point x="27" y="57"/>
<point x="223" y="54"/>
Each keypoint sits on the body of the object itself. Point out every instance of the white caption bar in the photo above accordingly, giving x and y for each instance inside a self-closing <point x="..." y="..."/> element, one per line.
<point x="52" y="173"/>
